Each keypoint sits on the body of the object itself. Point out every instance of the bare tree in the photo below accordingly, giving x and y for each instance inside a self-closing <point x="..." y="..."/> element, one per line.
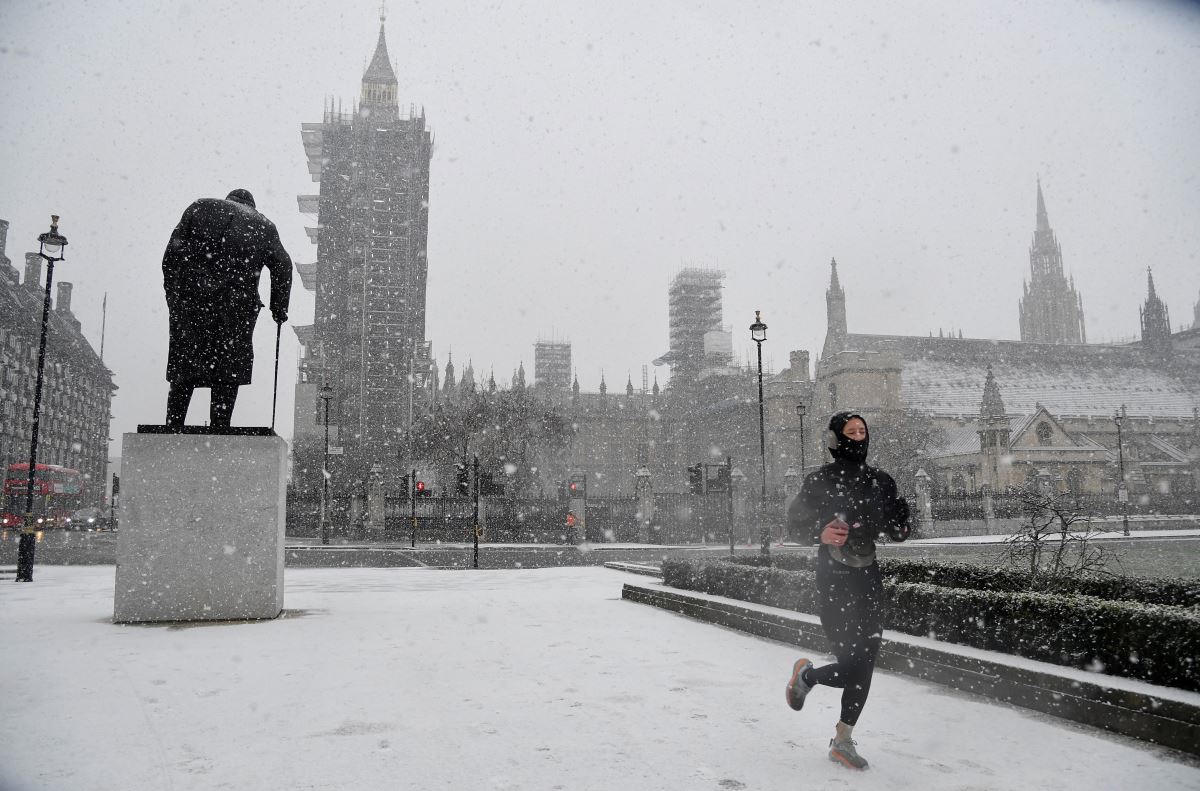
<point x="1054" y="541"/>
<point x="901" y="443"/>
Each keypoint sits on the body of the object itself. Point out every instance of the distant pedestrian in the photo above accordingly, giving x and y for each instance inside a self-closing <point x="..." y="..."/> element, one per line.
<point x="210" y="273"/>
<point x="843" y="507"/>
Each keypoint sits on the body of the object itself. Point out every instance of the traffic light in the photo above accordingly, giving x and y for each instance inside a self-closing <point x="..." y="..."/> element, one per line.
<point x="723" y="482"/>
<point x="696" y="479"/>
<point x="577" y="487"/>
<point x="488" y="485"/>
<point x="463" y="477"/>
<point x="421" y="490"/>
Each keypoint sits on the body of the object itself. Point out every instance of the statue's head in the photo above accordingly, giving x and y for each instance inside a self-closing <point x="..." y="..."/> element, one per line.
<point x="241" y="196"/>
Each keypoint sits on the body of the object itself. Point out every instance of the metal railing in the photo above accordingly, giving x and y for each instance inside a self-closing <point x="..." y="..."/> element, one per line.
<point x="1008" y="505"/>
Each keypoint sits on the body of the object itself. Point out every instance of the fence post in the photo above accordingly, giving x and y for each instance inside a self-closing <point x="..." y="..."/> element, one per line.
<point x="643" y="490"/>
<point x="924" y="504"/>
<point x="989" y="510"/>
<point x="375" y="500"/>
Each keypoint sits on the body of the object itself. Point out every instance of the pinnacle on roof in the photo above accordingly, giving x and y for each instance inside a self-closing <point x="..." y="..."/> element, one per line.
<point x="1150" y="284"/>
<point x="1043" y="219"/>
<point x="992" y="405"/>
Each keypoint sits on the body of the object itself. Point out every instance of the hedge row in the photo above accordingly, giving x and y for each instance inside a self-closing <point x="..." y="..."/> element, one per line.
<point x="1155" y="643"/>
<point x="1166" y="590"/>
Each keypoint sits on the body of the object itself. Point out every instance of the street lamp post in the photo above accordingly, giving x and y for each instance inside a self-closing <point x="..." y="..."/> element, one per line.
<point x="801" y="410"/>
<point x="1122" y="490"/>
<point x="758" y="333"/>
<point x="50" y="247"/>
<point x="326" y="396"/>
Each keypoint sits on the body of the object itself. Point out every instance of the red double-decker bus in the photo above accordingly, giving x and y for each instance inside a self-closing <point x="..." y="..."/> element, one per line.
<point x="58" y="492"/>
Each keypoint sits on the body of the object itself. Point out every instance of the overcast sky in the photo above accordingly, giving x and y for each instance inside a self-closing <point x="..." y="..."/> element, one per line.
<point x="585" y="152"/>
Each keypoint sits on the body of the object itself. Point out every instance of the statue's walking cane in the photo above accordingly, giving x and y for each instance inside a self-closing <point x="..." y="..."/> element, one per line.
<point x="275" y="391"/>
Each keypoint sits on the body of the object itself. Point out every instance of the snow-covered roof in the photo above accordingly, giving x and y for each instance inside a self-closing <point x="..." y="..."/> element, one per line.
<point x="945" y="376"/>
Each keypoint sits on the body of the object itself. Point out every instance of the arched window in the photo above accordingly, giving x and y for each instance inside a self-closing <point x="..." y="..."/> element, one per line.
<point x="1075" y="480"/>
<point x="1043" y="433"/>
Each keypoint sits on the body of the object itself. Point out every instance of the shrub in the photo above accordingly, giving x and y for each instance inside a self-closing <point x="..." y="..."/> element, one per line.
<point x="1154" y="642"/>
<point x="1166" y="591"/>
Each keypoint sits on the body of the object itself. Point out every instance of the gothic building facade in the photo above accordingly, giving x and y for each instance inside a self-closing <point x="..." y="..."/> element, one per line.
<point x="77" y="388"/>
<point x="1006" y="412"/>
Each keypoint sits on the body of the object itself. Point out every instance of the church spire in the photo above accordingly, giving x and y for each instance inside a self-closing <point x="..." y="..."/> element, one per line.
<point x="1155" y="320"/>
<point x="379" y="85"/>
<point x="1043" y="219"/>
<point x="1050" y="310"/>
<point x="835" y="312"/>
<point x="449" y="370"/>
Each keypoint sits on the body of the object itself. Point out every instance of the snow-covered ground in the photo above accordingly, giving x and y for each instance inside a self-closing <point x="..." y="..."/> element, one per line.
<point x="526" y="679"/>
<point x="1108" y="533"/>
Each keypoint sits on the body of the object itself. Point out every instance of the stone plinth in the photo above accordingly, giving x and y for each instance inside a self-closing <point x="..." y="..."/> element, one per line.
<point x="202" y="523"/>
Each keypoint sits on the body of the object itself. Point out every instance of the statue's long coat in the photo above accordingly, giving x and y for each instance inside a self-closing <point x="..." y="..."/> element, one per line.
<point x="210" y="273"/>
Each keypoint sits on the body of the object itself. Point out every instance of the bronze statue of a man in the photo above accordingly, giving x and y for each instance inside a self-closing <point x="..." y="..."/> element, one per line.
<point x="210" y="273"/>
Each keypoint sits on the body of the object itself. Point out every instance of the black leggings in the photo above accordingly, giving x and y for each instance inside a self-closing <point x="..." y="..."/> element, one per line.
<point x="851" y="609"/>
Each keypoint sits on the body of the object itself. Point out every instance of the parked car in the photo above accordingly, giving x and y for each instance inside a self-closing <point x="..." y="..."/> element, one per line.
<point x="90" y="518"/>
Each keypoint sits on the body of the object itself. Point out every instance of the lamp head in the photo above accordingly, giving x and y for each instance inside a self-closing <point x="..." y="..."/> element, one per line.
<point x="758" y="330"/>
<point x="52" y="242"/>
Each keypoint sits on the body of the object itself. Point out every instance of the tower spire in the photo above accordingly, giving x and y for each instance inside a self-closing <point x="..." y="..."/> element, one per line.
<point x="1043" y="219"/>
<point x="1050" y="310"/>
<point x="1155" y="320"/>
<point x="835" y="312"/>
<point x="379" y="85"/>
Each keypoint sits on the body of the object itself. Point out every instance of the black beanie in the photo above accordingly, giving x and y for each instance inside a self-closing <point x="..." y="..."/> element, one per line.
<point x="241" y="196"/>
<point x="841" y="447"/>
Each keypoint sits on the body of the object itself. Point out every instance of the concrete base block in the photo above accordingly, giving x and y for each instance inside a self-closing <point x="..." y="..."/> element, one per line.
<point x="202" y="524"/>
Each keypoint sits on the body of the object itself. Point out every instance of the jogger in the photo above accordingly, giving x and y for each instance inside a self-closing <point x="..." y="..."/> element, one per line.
<point x="842" y="507"/>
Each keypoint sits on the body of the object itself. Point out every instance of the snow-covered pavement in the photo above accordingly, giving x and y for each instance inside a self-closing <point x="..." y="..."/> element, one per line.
<point x="525" y="679"/>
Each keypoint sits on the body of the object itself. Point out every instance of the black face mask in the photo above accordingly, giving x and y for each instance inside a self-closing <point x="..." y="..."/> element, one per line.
<point x="846" y="450"/>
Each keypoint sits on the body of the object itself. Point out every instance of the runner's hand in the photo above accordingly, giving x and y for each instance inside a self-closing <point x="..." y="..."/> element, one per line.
<point x="835" y="533"/>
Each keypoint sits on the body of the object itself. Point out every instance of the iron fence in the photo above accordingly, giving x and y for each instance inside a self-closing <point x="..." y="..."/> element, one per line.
<point x="1010" y="505"/>
<point x="679" y="518"/>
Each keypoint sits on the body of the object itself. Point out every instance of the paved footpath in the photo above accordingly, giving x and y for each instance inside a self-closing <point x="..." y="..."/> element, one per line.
<point x="517" y="679"/>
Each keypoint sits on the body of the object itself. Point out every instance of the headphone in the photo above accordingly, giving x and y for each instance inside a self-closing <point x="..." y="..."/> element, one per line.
<point x="832" y="440"/>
